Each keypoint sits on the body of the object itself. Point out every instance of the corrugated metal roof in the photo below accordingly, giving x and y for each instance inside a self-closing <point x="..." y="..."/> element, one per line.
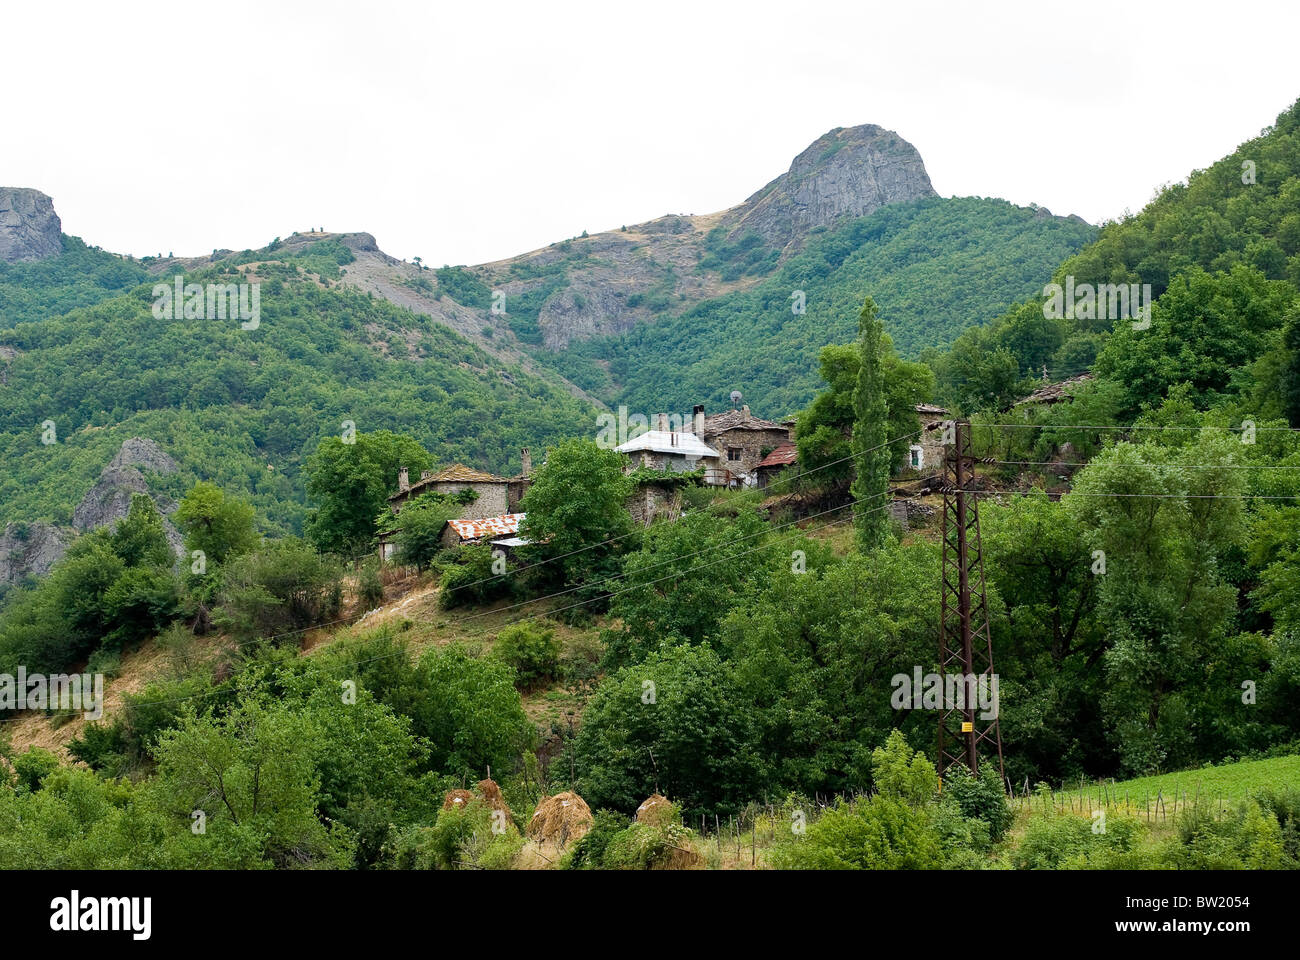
<point x="666" y="441"/>
<point x="503" y="526"/>
<point x="784" y="455"/>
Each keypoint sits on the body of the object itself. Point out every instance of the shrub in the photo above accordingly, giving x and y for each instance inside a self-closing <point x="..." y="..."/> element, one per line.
<point x="980" y="798"/>
<point x="370" y="588"/>
<point x="285" y="586"/>
<point x="588" y="853"/>
<point x="533" y="651"/>
<point x="34" y="766"/>
<point x="880" y="833"/>
<point x="471" y="579"/>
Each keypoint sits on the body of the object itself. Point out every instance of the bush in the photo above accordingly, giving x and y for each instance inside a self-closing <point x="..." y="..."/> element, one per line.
<point x="472" y="579"/>
<point x="370" y="588"/>
<point x="980" y="798"/>
<point x="34" y="766"/>
<point x="533" y="651"/>
<point x="285" y="586"/>
<point x="588" y="853"/>
<point x="1061" y="841"/>
<point x="880" y="833"/>
<point x="422" y="523"/>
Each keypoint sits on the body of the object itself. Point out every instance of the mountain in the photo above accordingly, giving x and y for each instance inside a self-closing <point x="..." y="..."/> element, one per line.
<point x="29" y="227"/>
<point x="477" y="362"/>
<point x="685" y="308"/>
<point x="243" y="407"/>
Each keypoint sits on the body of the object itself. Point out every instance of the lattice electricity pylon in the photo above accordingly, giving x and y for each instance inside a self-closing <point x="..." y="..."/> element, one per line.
<point x="965" y="641"/>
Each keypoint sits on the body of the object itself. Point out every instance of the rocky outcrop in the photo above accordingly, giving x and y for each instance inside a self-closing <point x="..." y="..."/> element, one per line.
<point x="29" y="227"/>
<point x="109" y="500"/>
<point x="847" y="173"/>
<point x="29" y="549"/>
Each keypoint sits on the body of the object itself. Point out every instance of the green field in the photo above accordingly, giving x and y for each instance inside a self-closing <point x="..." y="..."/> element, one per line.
<point x="1170" y="792"/>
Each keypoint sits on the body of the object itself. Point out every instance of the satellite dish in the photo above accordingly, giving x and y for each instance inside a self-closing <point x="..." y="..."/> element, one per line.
<point x="736" y="398"/>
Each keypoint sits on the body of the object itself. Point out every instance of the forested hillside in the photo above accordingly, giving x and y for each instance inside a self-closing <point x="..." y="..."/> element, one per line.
<point x="242" y="408"/>
<point x="1221" y="254"/>
<point x="935" y="267"/>
<point x="78" y="277"/>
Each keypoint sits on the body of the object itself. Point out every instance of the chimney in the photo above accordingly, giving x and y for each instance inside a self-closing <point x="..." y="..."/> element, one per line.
<point x="403" y="480"/>
<point x="698" y="420"/>
<point x="661" y="421"/>
<point x="745" y="409"/>
<point x="525" y="462"/>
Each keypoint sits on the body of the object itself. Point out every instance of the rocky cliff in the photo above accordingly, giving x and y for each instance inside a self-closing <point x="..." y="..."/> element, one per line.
<point x="29" y="227"/>
<point x="31" y="549"/>
<point x="109" y="500"/>
<point x="849" y="172"/>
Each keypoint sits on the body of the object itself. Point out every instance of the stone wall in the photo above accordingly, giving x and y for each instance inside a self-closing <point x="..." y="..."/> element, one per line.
<point x="753" y="445"/>
<point x="651" y="502"/>
<point x="493" y="498"/>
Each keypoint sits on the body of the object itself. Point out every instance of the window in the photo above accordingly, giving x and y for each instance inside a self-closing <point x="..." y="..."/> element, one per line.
<point x="733" y="453"/>
<point x="915" y="456"/>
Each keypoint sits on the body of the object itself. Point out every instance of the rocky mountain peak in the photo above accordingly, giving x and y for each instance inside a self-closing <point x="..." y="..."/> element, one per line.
<point x="848" y="172"/>
<point x="29" y="227"/>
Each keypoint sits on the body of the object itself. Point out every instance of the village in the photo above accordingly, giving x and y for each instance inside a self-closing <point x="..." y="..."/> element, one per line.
<point x="732" y="450"/>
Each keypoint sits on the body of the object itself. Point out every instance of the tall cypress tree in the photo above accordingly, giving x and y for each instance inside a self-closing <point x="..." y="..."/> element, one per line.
<point x="871" y="455"/>
<point x="1291" y="373"/>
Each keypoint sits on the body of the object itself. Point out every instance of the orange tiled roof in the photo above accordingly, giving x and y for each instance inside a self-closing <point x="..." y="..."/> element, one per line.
<point x="784" y="455"/>
<point x="487" y="526"/>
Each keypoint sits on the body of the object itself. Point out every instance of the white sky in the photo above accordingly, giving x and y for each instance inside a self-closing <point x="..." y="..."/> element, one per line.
<point x="474" y="131"/>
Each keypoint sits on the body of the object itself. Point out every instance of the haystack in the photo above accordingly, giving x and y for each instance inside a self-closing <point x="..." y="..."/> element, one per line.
<point x="562" y="818"/>
<point x="656" y="811"/>
<point x="457" y="799"/>
<point x="491" y="793"/>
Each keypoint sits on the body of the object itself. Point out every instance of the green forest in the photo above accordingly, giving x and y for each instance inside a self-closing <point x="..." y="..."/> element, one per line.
<point x="935" y="266"/>
<point x="244" y="408"/>
<point x="714" y="689"/>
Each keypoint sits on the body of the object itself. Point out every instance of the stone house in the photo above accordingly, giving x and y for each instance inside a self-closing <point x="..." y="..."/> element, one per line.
<point x="496" y="497"/>
<point x="926" y="451"/>
<point x="669" y="450"/>
<point x="652" y="501"/>
<point x="493" y="492"/>
<point x="743" y="440"/>
<point x="785" y="455"/>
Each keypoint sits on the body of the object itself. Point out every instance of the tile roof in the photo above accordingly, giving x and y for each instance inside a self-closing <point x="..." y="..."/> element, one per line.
<point x="456" y="473"/>
<point x="929" y="408"/>
<point x="1055" y="392"/>
<point x="459" y="473"/>
<point x="737" y="420"/>
<point x="784" y="455"/>
<point x="504" y="526"/>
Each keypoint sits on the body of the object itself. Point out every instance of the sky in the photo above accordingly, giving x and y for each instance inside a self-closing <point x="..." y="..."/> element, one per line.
<point x="469" y="132"/>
